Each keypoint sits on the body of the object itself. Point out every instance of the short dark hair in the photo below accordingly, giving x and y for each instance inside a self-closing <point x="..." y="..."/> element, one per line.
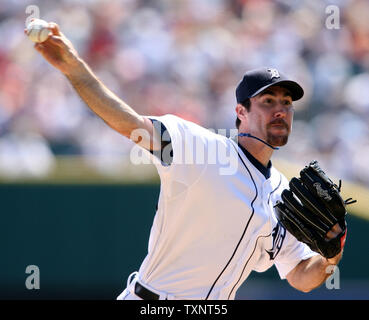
<point x="247" y="105"/>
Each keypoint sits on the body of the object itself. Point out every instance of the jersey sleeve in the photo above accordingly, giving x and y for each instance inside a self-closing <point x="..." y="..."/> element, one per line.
<point x="165" y="152"/>
<point x="292" y="252"/>
<point x="186" y="140"/>
<point x="184" y="154"/>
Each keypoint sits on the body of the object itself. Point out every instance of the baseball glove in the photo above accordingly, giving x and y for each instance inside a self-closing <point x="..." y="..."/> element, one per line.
<point x="311" y="207"/>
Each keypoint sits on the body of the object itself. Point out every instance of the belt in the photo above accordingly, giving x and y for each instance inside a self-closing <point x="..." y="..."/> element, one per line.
<point x="144" y="293"/>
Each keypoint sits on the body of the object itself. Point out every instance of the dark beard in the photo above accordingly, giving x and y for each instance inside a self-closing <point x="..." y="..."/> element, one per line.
<point x="277" y="141"/>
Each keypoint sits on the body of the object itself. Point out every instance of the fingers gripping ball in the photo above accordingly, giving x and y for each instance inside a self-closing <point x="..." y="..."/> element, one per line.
<point x="37" y="30"/>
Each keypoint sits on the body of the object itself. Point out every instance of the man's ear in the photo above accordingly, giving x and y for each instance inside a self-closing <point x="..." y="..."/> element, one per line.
<point x="241" y="112"/>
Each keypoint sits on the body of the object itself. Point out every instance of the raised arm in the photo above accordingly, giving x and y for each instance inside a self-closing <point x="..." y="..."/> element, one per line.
<point x="61" y="54"/>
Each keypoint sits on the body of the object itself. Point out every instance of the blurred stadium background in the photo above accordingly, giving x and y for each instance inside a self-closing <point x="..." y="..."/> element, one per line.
<point x="72" y="202"/>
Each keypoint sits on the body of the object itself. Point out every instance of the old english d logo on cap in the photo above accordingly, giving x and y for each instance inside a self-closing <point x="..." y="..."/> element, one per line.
<point x="274" y="73"/>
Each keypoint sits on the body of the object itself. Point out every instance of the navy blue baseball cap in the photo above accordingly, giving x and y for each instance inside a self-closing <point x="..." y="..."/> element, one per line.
<point x="257" y="80"/>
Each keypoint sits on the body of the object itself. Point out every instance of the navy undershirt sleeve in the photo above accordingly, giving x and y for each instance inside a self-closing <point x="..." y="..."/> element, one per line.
<point x="165" y="143"/>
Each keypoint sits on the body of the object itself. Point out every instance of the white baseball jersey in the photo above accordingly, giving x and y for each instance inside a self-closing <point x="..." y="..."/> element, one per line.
<point x="215" y="221"/>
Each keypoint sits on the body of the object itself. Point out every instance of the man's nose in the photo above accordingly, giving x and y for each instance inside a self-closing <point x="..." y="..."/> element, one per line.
<point x="281" y="111"/>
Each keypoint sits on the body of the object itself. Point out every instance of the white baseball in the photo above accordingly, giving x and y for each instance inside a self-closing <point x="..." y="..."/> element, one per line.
<point x="37" y="30"/>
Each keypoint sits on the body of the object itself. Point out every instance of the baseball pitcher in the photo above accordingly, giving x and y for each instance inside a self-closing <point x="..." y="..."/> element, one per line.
<point x="213" y="227"/>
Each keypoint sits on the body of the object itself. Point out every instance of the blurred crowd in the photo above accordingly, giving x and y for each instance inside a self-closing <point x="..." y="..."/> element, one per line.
<point x="185" y="57"/>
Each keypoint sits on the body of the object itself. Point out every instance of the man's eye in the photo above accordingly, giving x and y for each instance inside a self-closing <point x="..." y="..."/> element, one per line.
<point x="268" y="100"/>
<point x="287" y="103"/>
